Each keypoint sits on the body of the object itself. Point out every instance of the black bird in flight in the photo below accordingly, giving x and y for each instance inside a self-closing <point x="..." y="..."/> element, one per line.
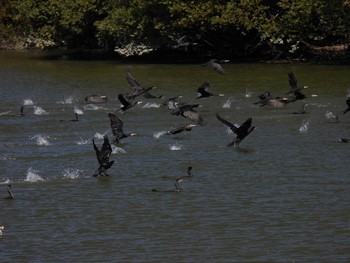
<point x="188" y="112"/>
<point x="103" y="157"/>
<point x="139" y="90"/>
<point x="127" y="104"/>
<point x="241" y="131"/>
<point x="203" y="91"/>
<point x="266" y="99"/>
<point x="214" y="65"/>
<point x="117" y="128"/>
<point x="180" y="129"/>
<point x="295" y="90"/>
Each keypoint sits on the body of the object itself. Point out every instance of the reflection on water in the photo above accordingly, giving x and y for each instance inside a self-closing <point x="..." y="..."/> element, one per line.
<point x="282" y="196"/>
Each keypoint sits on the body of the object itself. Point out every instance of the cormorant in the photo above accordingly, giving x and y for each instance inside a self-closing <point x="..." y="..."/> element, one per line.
<point x="298" y="96"/>
<point x="293" y="83"/>
<point x="173" y="102"/>
<point x="178" y="180"/>
<point x="182" y="44"/>
<point x="264" y="99"/>
<point x="177" y="189"/>
<point x="117" y="128"/>
<point x="103" y="157"/>
<point x="188" y="112"/>
<point x="95" y="99"/>
<point x="214" y="64"/>
<point x="302" y="111"/>
<point x="189" y="174"/>
<point x="295" y="90"/>
<point x="278" y="102"/>
<point x="127" y="104"/>
<point x="10" y="196"/>
<point x="180" y="129"/>
<point x="241" y="131"/>
<point x="138" y="89"/>
<point x="203" y="91"/>
<point x="344" y="140"/>
<point x="76" y="118"/>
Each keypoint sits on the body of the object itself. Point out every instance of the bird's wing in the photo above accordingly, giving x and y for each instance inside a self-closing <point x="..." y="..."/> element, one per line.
<point x="232" y="126"/>
<point x="348" y="93"/>
<point x="292" y="80"/>
<point x="348" y="102"/>
<point x="193" y="116"/>
<point x="265" y="96"/>
<point x="105" y="152"/>
<point x="131" y="80"/>
<point x="116" y="124"/>
<point x="245" y="126"/>
<point x="218" y="68"/>
<point x="123" y="100"/>
<point x="204" y="87"/>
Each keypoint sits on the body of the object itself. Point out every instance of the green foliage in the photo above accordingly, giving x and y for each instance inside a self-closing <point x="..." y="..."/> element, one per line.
<point x="231" y="27"/>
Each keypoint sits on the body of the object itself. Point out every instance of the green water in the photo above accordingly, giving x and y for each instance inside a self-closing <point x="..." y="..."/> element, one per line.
<point x="282" y="196"/>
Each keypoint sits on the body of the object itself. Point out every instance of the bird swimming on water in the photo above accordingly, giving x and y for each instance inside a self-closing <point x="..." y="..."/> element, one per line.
<point x="241" y="131"/>
<point x="203" y="91"/>
<point x="10" y="194"/>
<point x="103" y="155"/>
<point x="302" y="111"/>
<point x="178" y="180"/>
<point x="117" y="128"/>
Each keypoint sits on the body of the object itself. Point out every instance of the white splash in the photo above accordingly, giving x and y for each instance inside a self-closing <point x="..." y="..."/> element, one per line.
<point x="151" y="105"/>
<point x="78" y="111"/>
<point x="39" y="111"/>
<point x="28" y="102"/>
<point x="175" y="147"/>
<point x="41" y="140"/>
<point x="248" y="93"/>
<point x="68" y="100"/>
<point x="99" y="135"/>
<point x="330" y="115"/>
<point x="92" y="107"/>
<point x="116" y="149"/>
<point x="83" y="142"/>
<point x="304" y="126"/>
<point x="32" y="176"/>
<point x="227" y="104"/>
<point x="229" y="131"/>
<point x="71" y="174"/>
<point x="8" y="158"/>
<point x="4" y="113"/>
<point x="7" y="181"/>
<point x="158" y="134"/>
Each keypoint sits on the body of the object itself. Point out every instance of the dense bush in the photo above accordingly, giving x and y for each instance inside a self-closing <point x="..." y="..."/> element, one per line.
<point x="216" y="28"/>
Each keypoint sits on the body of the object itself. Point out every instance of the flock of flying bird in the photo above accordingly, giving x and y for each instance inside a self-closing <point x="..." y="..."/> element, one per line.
<point x="179" y="108"/>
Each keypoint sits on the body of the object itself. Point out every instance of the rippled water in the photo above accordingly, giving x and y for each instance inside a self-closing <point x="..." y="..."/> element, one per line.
<point x="283" y="196"/>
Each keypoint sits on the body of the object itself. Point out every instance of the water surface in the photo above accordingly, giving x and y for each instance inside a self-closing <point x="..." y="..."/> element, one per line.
<point x="282" y="196"/>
